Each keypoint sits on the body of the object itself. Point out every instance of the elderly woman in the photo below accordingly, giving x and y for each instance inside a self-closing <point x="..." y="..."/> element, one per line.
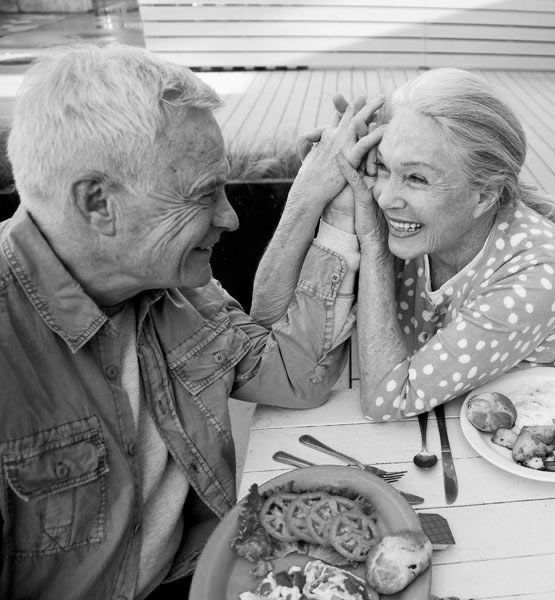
<point x="457" y="255"/>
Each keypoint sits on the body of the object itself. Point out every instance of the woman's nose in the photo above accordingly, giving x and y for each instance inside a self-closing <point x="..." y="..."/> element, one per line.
<point x="224" y="215"/>
<point x="388" y="194"/>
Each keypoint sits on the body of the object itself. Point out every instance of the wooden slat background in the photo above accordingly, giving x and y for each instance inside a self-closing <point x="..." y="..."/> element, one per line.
<point x="261" y="106"/>
<point x="486" y="34"/>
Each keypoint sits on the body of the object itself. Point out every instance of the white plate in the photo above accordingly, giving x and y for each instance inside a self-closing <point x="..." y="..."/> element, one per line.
<point x="481" y="442"/>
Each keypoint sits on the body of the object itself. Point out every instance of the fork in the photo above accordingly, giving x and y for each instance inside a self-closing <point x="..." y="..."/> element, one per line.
<point x="315" y="444"/>
<point x="295" y="461"/>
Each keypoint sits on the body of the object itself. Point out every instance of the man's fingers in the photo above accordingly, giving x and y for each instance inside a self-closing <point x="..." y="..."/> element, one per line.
<point x="359" y="102"/>
<point x="340" y="104"/>
<point x="307" y="140"/>
<point x="365" y="144"/>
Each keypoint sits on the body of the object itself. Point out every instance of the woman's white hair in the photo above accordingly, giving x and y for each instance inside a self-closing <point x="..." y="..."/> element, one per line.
<point x="84" y="109"/>
<point x="483" y="132"/>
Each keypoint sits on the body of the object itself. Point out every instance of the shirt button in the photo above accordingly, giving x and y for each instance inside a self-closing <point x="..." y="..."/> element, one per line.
<point x="335" y="277"/>
<point x="62" y="470"/>
<point x="193" y="468"/>
<point x="219" y="357"/>
<point x="132" y="449"/>
<point x="425" y="336"/>
<point x="137" y="528"/>
<point x="112" y="372"/>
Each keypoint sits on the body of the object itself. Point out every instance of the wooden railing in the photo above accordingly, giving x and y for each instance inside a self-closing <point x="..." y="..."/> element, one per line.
<point x="486" y="34"/>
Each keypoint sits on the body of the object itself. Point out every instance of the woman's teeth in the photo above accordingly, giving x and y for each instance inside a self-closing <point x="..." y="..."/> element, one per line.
<point x="405" y="226"/>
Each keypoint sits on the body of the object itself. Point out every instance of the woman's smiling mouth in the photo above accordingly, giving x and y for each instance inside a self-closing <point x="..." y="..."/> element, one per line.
<point x="404" y="227"/>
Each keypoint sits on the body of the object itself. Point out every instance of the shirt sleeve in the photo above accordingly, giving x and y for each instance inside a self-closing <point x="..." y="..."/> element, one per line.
<point x="346" y="244"/>
<point x="493" y="331"/>
<point x="297" y="362"/>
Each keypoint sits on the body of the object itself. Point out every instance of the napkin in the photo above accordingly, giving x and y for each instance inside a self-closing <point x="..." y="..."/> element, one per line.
<point x="437" y="529"/>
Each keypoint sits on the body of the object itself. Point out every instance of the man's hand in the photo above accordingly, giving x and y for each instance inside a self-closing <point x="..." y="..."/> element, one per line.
<point x="320" y="179"/>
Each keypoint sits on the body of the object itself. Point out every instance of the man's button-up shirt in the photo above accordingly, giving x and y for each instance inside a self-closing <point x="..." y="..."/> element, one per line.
<point x="70" y="499"/>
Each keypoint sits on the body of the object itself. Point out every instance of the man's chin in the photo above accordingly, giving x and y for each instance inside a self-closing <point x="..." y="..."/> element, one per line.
<point x="198" y="279"/>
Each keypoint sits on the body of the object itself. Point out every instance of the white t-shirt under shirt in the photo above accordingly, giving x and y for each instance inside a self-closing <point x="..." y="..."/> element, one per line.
<point x="163" y="484"/>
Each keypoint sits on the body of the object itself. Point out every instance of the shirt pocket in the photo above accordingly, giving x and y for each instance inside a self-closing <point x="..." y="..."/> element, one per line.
<point x="208" y="355"/>
<point x="56" y="490"/>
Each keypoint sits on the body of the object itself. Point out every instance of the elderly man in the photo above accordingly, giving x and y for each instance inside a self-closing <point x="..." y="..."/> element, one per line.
<point x="118" y="351"/>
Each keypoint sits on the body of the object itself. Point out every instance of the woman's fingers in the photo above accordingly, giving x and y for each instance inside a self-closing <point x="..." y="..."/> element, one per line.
<point x="365" y="144"/>
<point x="307" y="140"/>
<point x="352" y="176"/>
<point x="367" y="112"/>
<point x="371" y="160"/>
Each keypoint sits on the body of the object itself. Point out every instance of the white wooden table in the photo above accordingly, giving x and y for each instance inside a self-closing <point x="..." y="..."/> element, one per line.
<point x="503" y="524"/>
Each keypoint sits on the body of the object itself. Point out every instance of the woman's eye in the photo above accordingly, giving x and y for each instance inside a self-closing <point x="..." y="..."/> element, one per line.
<point x="418" y="179"/>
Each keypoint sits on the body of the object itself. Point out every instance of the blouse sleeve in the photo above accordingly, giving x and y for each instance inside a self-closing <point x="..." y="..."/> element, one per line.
<point x="504" y="318"/>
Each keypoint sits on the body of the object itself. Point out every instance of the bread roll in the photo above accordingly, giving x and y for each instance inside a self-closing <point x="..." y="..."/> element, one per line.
<point x="397" y="560"/>
<point x="490" y="411"/>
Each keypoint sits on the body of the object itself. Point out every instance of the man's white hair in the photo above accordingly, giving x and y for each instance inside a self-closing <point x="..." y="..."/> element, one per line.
<point x="85" y="110"/>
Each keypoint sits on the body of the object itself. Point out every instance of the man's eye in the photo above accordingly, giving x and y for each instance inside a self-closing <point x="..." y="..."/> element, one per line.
<point x="380" y="167"/>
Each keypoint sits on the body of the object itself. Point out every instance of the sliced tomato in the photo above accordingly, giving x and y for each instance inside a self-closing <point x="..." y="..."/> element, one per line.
<point x="320" y="516"/>
<point x="273" y="519"/>
<point x="352" y="534"/>
<point x="298" y="511"/>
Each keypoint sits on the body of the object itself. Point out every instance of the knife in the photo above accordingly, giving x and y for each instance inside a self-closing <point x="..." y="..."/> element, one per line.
<point x="449" y="476"/>
<point x="294" y="461"/>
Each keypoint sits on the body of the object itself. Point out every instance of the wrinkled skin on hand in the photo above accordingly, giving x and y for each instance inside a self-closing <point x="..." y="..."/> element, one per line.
<point x="320" y="178"/>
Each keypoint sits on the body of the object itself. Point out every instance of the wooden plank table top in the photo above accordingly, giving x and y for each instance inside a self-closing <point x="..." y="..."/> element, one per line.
<point x="503" y="524"/>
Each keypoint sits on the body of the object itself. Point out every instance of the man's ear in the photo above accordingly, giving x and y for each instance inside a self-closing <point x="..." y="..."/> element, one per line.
<point x="93" y="201"/>
<point x="487" y="198"/>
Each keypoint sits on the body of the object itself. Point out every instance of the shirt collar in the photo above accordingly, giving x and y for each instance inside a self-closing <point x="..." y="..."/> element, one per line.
<point x="57" y="297"/>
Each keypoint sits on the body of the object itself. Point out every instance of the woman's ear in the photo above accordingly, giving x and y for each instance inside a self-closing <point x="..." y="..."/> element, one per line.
<point x="487" y="199"/>
<point x="93" y="201"/>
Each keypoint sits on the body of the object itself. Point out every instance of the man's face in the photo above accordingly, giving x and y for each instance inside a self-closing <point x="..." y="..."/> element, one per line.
<point x="168" y="235"/>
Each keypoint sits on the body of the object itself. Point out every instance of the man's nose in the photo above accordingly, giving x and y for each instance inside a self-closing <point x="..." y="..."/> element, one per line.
<point x="224" y="215"/>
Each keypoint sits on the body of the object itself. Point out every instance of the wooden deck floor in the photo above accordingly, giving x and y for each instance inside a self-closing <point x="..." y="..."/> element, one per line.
<point x="263" y="105"/>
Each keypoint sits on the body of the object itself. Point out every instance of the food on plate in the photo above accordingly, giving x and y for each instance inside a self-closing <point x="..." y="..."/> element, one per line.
<point x="397" y="560"/>
<point x="317" y="581"/>
<point x="297" y="513"/>
<point x="252" y="542"/>
<point x="504" y="437"/>
<point x="352" y="534"/>
<point x="534" y="444"/>
<point x="534" y="403"/>
<point x="320" y="516"/>
<point x="325" y="582"/>
<point x="535" y="407"/>
<point x="489" y="411"/>
<point x="273" y="516"/>
<point x="354" y="537"/>
<point x="266" y="520"/>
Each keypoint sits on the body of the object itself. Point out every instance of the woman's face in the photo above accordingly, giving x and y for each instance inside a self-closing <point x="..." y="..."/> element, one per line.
<point x="428" y="204"/>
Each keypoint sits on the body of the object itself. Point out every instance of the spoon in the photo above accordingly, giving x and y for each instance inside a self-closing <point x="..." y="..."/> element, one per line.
<point x="424" y="459"/>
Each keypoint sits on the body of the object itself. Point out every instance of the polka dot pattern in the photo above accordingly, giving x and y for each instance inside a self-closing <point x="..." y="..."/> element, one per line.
<point x="497" y="311"/>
